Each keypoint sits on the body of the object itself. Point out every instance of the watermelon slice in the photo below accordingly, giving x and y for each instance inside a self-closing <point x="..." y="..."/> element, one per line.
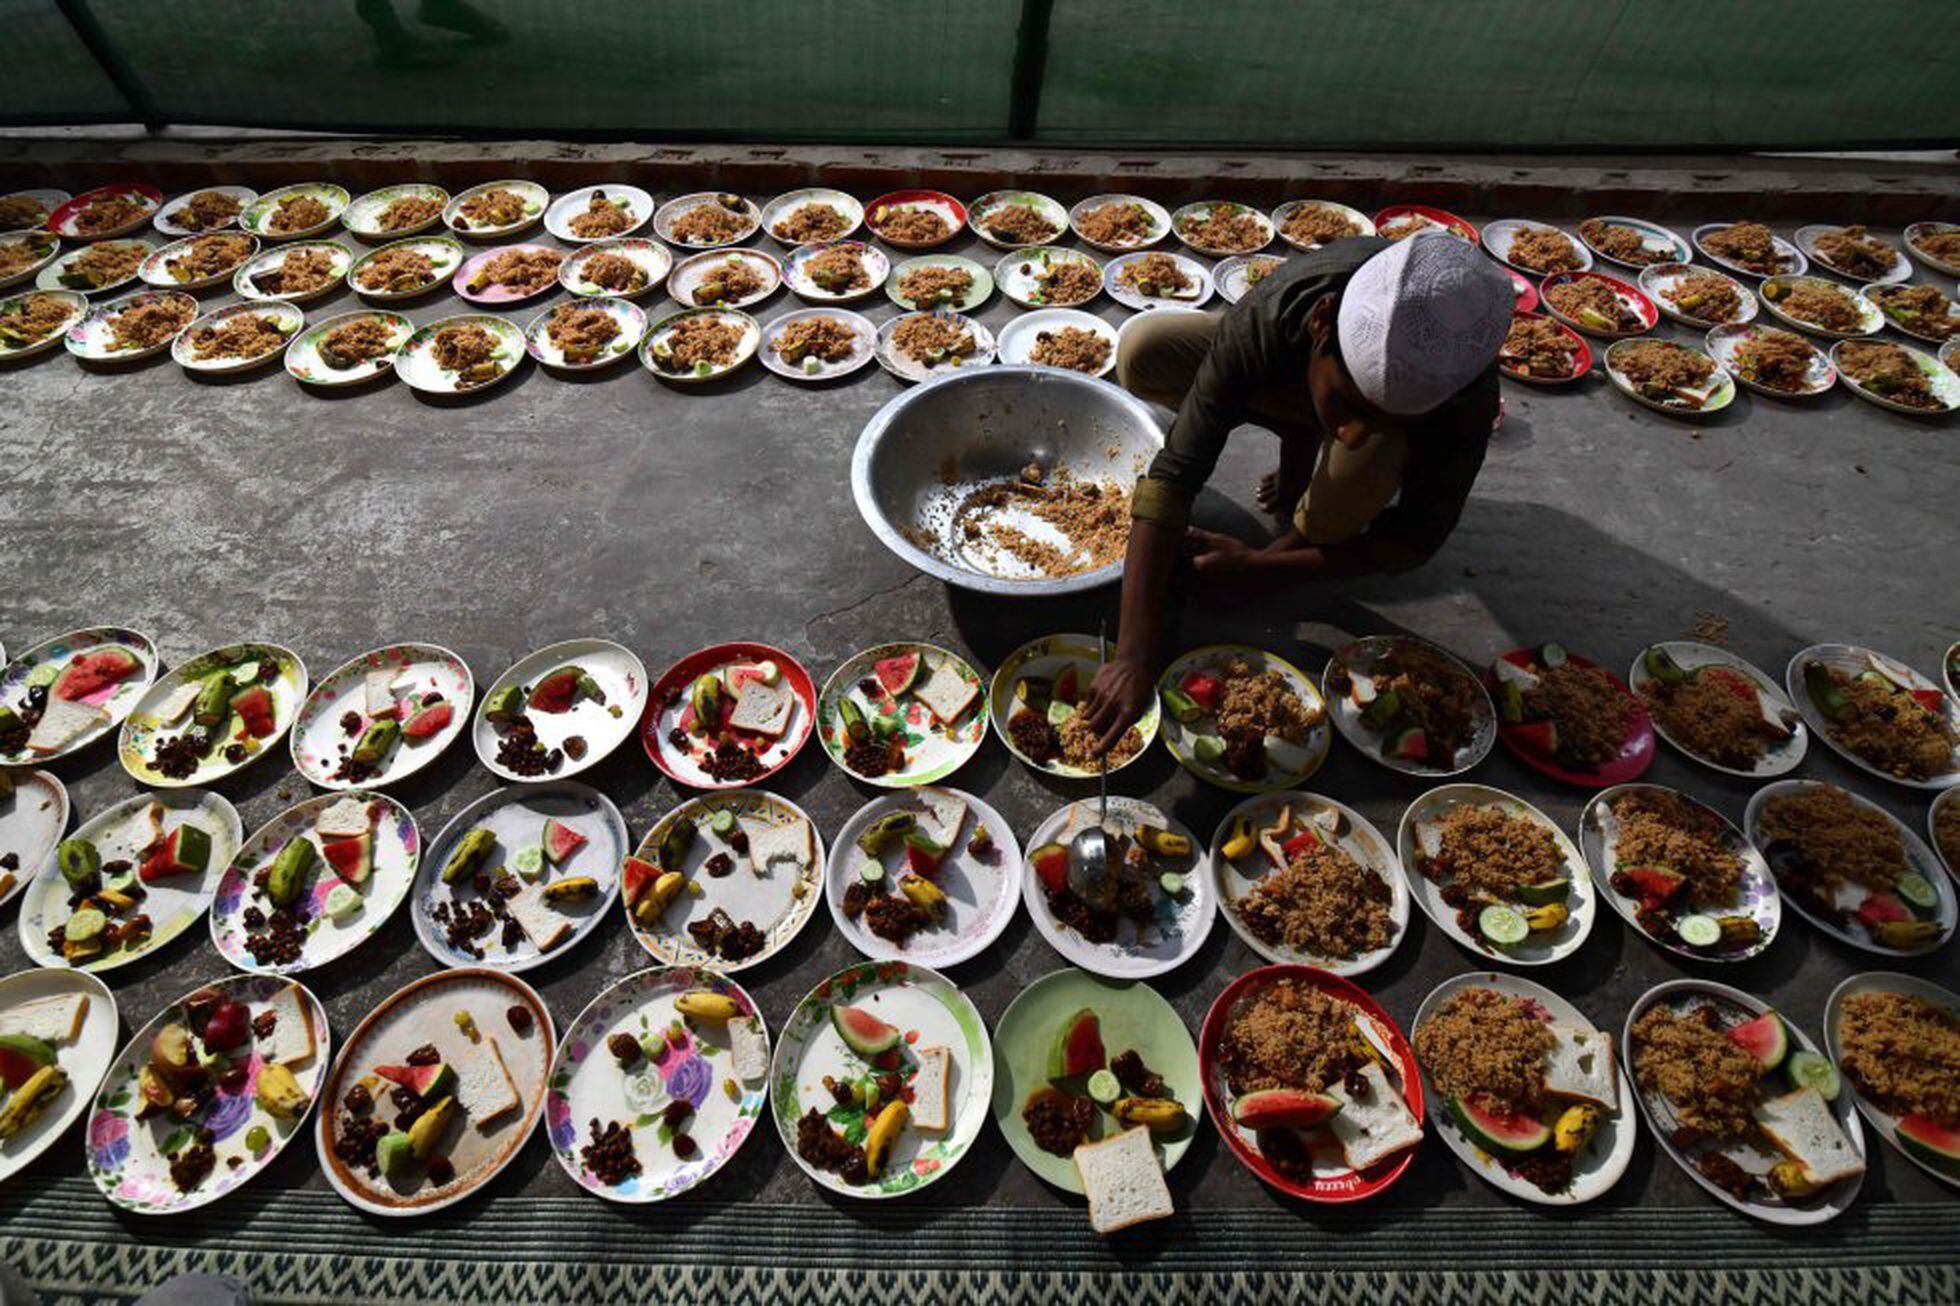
<point x="352" y="858"/>
<point x="556" y="692"/>
<point x="897" y="674"/>
<point x="1078" y="1046"/>
<point x="1284" y="1108"/>
<point x="1411" y="745"/>
<point x="863" y="1032"/>
<point x="1202" y="688"/>
<point x="91" y="672"/>
<point x="424" y="1081"/>
<point x="1930" y="1141"/>
<point x="561" y="841"/>
<point x="1541" y="737"/>
<point x="1764" y="1038"/>
<point x="1499" y="1132"/>
<point x="1654" y="884"/>
<point x="20" y="1056"/>
<point x="635" y="878"/>
<point x="923" y="854"/>
<point x="185" y="850"/>
<point x="428" y="720"/>
<point x="1051" y="866"/>
<point x="1068" y="684"/>
<point x="1879" y="908"/>
<point x="255" y="711"/>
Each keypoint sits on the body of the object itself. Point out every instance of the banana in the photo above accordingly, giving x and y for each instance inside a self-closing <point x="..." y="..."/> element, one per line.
<point x="472" y="851"/>
<point x="1575" y="1128"/>
<point x="1543" y="920"/>
<point x="1160" y="1115"/>
<point x="883" y="1133"/>
<point x="1791" y="1179"/>
<point x="660" y="897"/>
<point x="924" y="894"/>
<point x="703" y="1005"/>
<point x="1163" y="842"/>
<point x="571" y="889"/>
<point x="1243" y="841"/>
<point x="31" y="1098"/>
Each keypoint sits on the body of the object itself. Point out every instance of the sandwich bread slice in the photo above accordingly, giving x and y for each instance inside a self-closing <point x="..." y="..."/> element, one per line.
<point x="769" y="844"/>
<point x="292" y="1033"/>
<point x="542" y="923"/>
<point x="62" y="723"/>
<point x="1123" y="1182"/>
<point x="55" y="1019"/>
<point x="932" y="1090"/>
<point x="1373" y="1124"/>
<point x="1580" y="1065"/>
<point x="1804" y="1129"/>
<point x="483" y="1086"/>
<point x="946" y="693"/>
<point x="748" y="1048"/>
<point x="763" y="708"/>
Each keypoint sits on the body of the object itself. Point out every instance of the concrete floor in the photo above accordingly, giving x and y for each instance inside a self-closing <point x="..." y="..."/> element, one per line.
<point x="667" y="519"/>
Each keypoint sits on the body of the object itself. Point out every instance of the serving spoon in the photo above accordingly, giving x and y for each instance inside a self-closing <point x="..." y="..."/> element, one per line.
<point x="1088" y="851"/>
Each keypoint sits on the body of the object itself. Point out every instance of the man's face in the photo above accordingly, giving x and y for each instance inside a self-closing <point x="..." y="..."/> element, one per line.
<point x="1343" y="412"/>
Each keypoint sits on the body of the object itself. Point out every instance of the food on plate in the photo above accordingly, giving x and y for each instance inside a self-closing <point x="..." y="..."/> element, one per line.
<point x="1777" y="359"/>
<point x="1528" y="1091"/>
<point x="1538" y="346"/>
<point x="1845" y="862"/>
<point x="18" y="256"/>
<point x="1313" y="896"/>
<point x="1047" y="724"/>
<point x="810" y="223"/>
<point x="869" y="1105"/>
<point x="1747" y="244"/>
<point x="1729" y="1080"/>
<point x="1903" y="1054"/>
<point x="1503" y="874"/>
<point x="1856" y="253"/>
<point x="1886" y="369"/>
<point x="232" y="714"/>
<point x="1595" y="304"/>
<point x="496" y="207"/>
<point x="729" y="281"/>
<point x="471" y="353"/>
<point x="206" y="209"/>
<point x="1544" y="250"/>
<point x="1418" y="699"/>
<point x="1946" y="831"/>
<point x="22" y="212"/>
<point x="1092" y="519"/>
<point x="1144" y="879"/>
<point x="31" y="1035"/>
<point x="500" y="904"/>
<point x="1229" y="228"/>
<point x="284" y="901"/>
<point x="1668" y="373"/>
<point x="1819" y="303"/>
<point x="614" y="272"/>
<point x="400" y="1123"/>
<point x="557" y="692"/>
<point x="731" y="717"/>
<point x="918" y="839"/>
<point x="1577" y="716"/>
<point x="712" y="222"/>
<point x="1317" y="224"/>
<point x="1245" y="722"/>
<point x="1705" y="297"/>
<point x="361" y="340"/>
<point x="602" y="216"/>
<point x="1120" y="223"/>
<point x="300" y="272"/>
<point x="54" y="711"/>
<point x="911" y="224"/>
<point x="1404" y="225"/>
<point x="525" y="269"/>
<point x="1061" y="281"/>
<point x="1922" y="310"/>
<point x="1885" y="719"/>
<point x="934" y="285"/>
<point x="32" y="319"/>
<point x="1942" y="243"/>
<point x="397" y="271"/>
<point x="1073" y="348"/>
<point x="837" y="271"/>
<point x="813" y="341"/>
<point x="1672" y="856"/>
<point x="1019" y="224"/>
<point x="297" y="212"/>
<point x="387" y="718"/>
<point x="652" y="886"/>
<point x="932" y="340"/>
<point x="241" y="336"/>
<point x="1627" y="244"/>
<point x="407" y="212"/>
<point x="1123" y="1181"/>
<point x="104" y="263"/>
<point x="144" y="326"/>
<point x="581" y="333"/>
<point x="1065" y="1114"/>
<point x="1713" y="710"/>
<point x="106" y="212"/>
<point x="697" y="345"/>
<point x="106" y="896"/>
<point x="874" y="714"/>
<point x="1258" y="269"/>
<point x="1157" y="276"/>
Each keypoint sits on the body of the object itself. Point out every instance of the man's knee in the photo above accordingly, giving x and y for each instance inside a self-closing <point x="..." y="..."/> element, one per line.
<point x="1159" y="355"/>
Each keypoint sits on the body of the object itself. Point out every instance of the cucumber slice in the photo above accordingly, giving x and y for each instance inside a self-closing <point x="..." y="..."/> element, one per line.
<point x="1808" y="1069"/>
<point x="1698" y="931"/>
<point x="870" y="871"/>
<point x="1104" y="1087"/>
<point x="1059" y="712"/>
<point x="1208" y="748"/>
<point x="529" y="862"/>
<point x="722" y="822"/>
<point x="1918" y="892"/>
<point x="1503" y="925"/>
<point x="1171" y="882"/>
<point x="1552" y="655"/>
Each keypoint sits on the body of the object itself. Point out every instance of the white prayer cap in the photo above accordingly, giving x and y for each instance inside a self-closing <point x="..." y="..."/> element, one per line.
<point x="1420" y="320"/>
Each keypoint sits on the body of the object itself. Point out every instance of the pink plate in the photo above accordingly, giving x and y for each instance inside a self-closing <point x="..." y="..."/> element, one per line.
<point x="671" y="688"/>
<point x="1442" y="217"/>
<point x="1630" y="295"/>
<point x="950" y="208"/>
<point x="1527" y="293"/>
<point x="501" y="294"/>
<point x="148" y="196"/>
<point x="1582" y="356"/>
<point x="1636" y="750"/>
<point x="1355" y="1185"/>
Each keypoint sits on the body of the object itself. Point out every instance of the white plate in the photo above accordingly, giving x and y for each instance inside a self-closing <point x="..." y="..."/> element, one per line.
<point x="1047" y="658"/>
<point x="534" y="196"/>
<point x="397" y="845"/>
<point x="796" y="270"/>
<point x="58" y="653"/>
<point x="1756" y="895"/>
<point x="49" y="277"/>
<point x="1665" y="276"/>
<point x="1180" y="738"/>
<point x="1948" y="798"/>
<point x="994" y="201"/>
<point x="1202" y="210"/>
<point x="630" y="317"/>
<point x="1606" y="1156"/>
<point x="864" y="335"/>
<point x="662" y="332"/>
<point x="1653" y="235"/>
<point x="424" y="1011"/>
<point x="287" y="318"/>
<point x="603" y="725"/>
<point x="1689" y="654"/>
<point x="588" y="1083"/>
<point x="1233" y="276"/>
<point x="48" y="198"/>
<point x="153" y="270"/>
<point x="1128" y="298"/>
<point x="982" y="890"/>
<point x="1499" y="234"/>
<point x="1284" y="214"/>
<point x="907" y="368"/>
<point x="1683" y="993"/>
<point x="319" y="741"/>
<point x="933" y="750"/>
<point x="85" y="1058"/>
<point x="664" y="216"/>
<point x="1721" y="397"/>
<point x="1919" y="230"/>
<point x="1160" y="221"/>
<point x="688" y="274"/>
<point x="1884" y="1123"/>
<point x="1354" y="835"/>
<point x="779" y="903"/>
<point x="1875" y="295"/>
<point x="1794" y="262"/>
<point x="415" y="361"/>
<point x="142" y="730"/>
<point x="1852" y="933"/>
<point x="929" y="1011"/>
<point x="790" y="201"/>
<point x="1417" y="834"/>
<point x="91" y="340"/>
<point x="32" y="821"/>
<point x="1019" y="338"/>
<point x="1725" y="342"/>
<point x="1870" y="320"/>
<point x="305" y="363"/>
<point x="129" y="1159"/>
<point x="516" y="815"/>
<point x="653" y="259"/>
<point x="245" y="287"/>
<point x="258" y="213"/>
<point x="120" y="833"/>
<point x="1016" y="274"/>
<point x="1945" y="385"/>
<point x="1179" y="925"/>
<point x="1900" y="271"/>
<point x="363" y="216"/>
<point x="49" y="245"/>
<point x="1364" y="654"/>
<point x="445" y="255"/>
<point x="1851" y="659"/>
<point x="558" y="218"/>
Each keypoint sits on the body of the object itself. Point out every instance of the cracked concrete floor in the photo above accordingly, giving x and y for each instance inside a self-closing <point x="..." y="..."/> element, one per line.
<point x="668" y="519"/>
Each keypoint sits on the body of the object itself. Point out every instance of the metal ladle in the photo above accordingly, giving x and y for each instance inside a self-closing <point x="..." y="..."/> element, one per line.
<point x="1088" y="851"/>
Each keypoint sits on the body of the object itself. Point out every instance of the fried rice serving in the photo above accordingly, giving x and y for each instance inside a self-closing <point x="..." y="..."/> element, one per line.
<point x="1019" y="224"/>
<point x="105" y="263"/>
<point x="1432" y="692"/>
<point x="1073" y="348"/>
<point x="301" y="272"/>
<point x="1081" y="749"/>
<point x="409" y="211"/>
<point x="1903" y="1053"/>
<point x="1543" y="250"/>
<point x="1946" y="832"/>
<point x="1155" y="276"/>
<point x="496" y="207"/>
<point x="1658" y="827"/>
<point x="1227" y="228"/>
<point x="614" y="272"/>
<point x="1710" y="717"/>
<point x="1323" y="903"/>
<point x="1409" y="224"/>
<point x="934" y="284"/>
<point x="1777" y="359"/>
<point x="1317" y="224"/>
<point x="1067" y="281"/>
<point x="1886" y="369"/>
<point x="808" y="224"/>
<point x="33" y="318"/>
<point x="355" y="342"/>
<point x="1665" y="371"/>
<point x="19" y="255"/>
<point x="1712" y="1082"/>
<point x="459" y="348"/>
<point x="1119" y="222"/>
<point x="1488" y="1047"/>
<point x="107" y="213"/>
<point x="207" y="209"/>
<point x="397" y="270"/>
<point x="912" y="224"/>
<point x="1627" y="244"/>
<point x="248" y="335"/>
<point x="1834" y="839"/>
<point x="1290" y="1035"/>
<point x="825" y="338"/>
<point x="209" y="256"/>
<point x="932" y="340"/>
<point x="1943" y="244"/>
<point x="1852" y="251"/>
<point x="1537" y="346"/>
<point x="1923" y="310"/>
<point x="1590" y="712"/>
<point x="20" y="212"/>
<point x="841" y="270"/>
<point x="1706" y="297"/>
<point x="1888" y="726"/>
<point x="1490" y="854"/>
<point x="580" y="332"/>
<point x="1747" y="244"/>
<point x="704" y="339"/>
<point x="602" y="217"/>
<point x="525" y="269"/>
<point x="297" y="213"/>
<point x="732" y="280"/>
<point x="141" y="326"/>
<point x="1590" y="301"/>
<point x="1817" y="302"/>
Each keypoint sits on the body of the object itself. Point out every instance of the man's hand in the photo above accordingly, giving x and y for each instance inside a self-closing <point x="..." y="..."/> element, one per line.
<point x="1221" y="564"/>
<point x="1120" y="693"/>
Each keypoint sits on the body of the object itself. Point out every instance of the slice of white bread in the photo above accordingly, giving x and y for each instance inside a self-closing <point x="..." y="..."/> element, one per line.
<point x="946" y="693"/>
<point x="54" y="1019"/>
<point x="177" y="702"/>
<point x="1803" y="1128"/>
<point x="377" y="691"/>
<point x="62" y="723"/>
<point x="768" y="844"/>
<point x="763" y="708"/>
<point x="483" y="1087"/>
<point x="292" y="1033"/>
<point x="748" y="1048"/>
<point x="542" y="923"/>
<point x="344" y="818"/>
<point x="932" y="1089"/>
<point x="1373" y="1124"/>
<point x="1580" y="1065"/>
<point x="944" y="815"/>
<point x="1123" y="1182"/>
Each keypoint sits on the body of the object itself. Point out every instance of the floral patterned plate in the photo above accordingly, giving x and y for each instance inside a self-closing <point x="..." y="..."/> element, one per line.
<point x="668" y="706"/>
<point x="1348" y="678"/>
<point x="84" y="1058"/>
<point x="1852" y="660"/>
<point x="689" y="282"/>
<point x="416" y="364"/>
<point x="322" y="739"/>
<point x="1019" y="275"/>
<point x="1178" y="922"/>
<point x="655" y="349"/>
<point x="305" y="362"/>
<point x="470" y="281"/>
<point x="371" y="282"/>
<point x="933" y="749"/>
<point x="65" y="219"/>
<point x="1359" y="224"/>
<point x="978" y="288"/>
<point x="1036" y="672"/>
<point x="908" y="367"/>
<point x="1885" y="1122"/>
<point x="786" y="205"/>
<point x="130" y="1157"/>
<point x="589" y="1082"/>
<point x="929" y="1011"/>
<point x="811" y="367"/>
<point x="673" y="210"/>
<point x="148" y="729"/>
<point x="363" y="216"/>
<point x="599" y="724"/>
<point x="1691" y="656"/>
<point x="1285" y="768"/>
<point x="396" y="845"/>
<point x="258" y="215"/>
<point x="1193" y="215"/>
<point x="982" y="213"/>
<point x="42" y="664"/>
<point x="635" y="204"/>
<point x="155" y="270"/>
<point x="60" y="274"/>
<point x="285" y="319"/>
<point x="1157" y="221"/>
<point x="533" y="197"/>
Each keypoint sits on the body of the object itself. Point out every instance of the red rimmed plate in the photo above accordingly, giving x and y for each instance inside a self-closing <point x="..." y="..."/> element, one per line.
<point x="1394" y="216"/>
<point x="949" y="209"/>
<point x="147" y="197"/>
<point x="1630" y="295"/>
<point x="670" y="700"/>
<point x="1333" y="1188"/>
<point x="1582" y="358"/>
<point x="1636" y="749"/>
<point x="1527" y="293"/>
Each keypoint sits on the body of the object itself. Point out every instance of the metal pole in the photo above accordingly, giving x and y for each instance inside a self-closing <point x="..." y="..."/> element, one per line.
<point x="111" y="62"/>
<point x="1030" y="67"/>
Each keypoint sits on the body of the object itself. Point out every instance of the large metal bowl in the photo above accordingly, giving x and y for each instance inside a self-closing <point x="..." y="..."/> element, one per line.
<point x="923" y="452"/>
